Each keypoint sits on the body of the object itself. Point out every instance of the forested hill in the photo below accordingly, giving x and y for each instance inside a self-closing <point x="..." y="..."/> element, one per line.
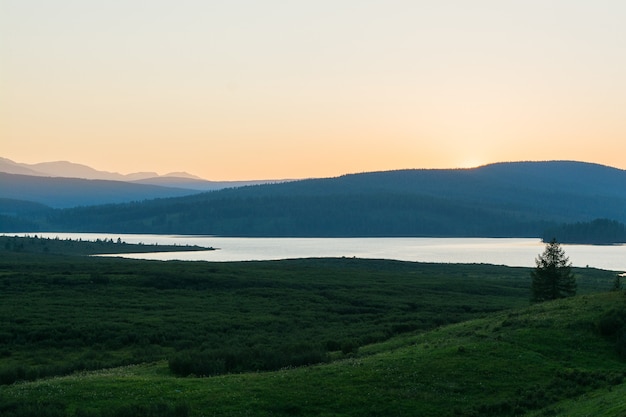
<point x="505" y="199"/>
<point x="62" y="192"/>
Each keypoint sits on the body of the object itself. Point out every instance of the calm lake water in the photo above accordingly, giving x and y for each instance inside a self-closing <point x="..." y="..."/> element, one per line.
<point x="512" y="252"/>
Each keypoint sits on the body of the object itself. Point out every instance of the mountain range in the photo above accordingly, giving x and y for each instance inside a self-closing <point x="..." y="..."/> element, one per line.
<point x="65" y="169"/>
<point x="505" y="199"/>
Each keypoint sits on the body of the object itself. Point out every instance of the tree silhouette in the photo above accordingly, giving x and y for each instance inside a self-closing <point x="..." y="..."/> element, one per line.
<point x="552" y="278"/>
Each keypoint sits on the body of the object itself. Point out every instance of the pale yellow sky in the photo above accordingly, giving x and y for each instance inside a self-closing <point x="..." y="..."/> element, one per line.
<point x="292" y="89"/>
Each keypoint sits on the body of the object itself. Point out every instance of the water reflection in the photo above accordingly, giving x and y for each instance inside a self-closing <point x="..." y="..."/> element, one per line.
<point x="505" y="251"/>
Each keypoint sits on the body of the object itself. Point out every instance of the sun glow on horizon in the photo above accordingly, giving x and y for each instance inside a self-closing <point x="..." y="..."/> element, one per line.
<point x="471" y="163"/>
<point x="300" y="90"/>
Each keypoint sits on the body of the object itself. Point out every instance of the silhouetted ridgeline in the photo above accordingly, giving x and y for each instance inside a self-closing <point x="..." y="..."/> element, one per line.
<point x="507" y="199"/>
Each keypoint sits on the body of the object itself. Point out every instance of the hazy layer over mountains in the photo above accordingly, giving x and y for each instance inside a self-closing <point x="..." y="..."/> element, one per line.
<point x="504" y="199"/>
<point x="67" y="169"/>
<point x="91" y="193"/>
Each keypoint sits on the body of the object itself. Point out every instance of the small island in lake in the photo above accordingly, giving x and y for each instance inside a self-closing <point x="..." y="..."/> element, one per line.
<point x="35" y="244"/>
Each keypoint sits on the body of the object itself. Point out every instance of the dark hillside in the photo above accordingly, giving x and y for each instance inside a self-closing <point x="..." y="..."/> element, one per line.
<point x="15" y="214"/>
<point x="60" y="192"/>
<point x="507" y="199"/>
<point x="16" y="207"/>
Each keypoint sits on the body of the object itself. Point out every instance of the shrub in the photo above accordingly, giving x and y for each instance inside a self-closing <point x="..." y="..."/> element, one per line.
<point x="333" y="346"/>
<point x="613" y="325"/>
<point x="245" y="359"/>
<point x="11" y="374"/>
<point x="196" y="363"/>
<point x="349" y="347"/>
<point x="99" y="279"/>
<point x="152" y="410"/>
<point x="40" y="409"/>
<point x="612" y="322"/>
<point x="621" y="343"/>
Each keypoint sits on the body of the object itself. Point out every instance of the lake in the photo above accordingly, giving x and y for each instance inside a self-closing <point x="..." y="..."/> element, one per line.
<point x="499" y="251"/>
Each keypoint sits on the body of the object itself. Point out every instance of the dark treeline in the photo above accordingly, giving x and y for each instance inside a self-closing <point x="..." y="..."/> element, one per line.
<point x="12" y="223"/>
<point x="376" y="214"/>
<point x="18" y="216"/>
<point x="35" y="244"/>
<point x="598" y="231"/>
<point x="500" y="200"/>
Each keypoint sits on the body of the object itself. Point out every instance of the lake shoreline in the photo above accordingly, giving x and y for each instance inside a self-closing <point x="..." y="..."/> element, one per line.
<point x="515" y="252"/>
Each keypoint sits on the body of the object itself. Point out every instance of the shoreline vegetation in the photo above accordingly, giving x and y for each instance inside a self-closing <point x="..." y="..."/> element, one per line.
<point x="36" y="244"/>
<point x="595" y="232"/>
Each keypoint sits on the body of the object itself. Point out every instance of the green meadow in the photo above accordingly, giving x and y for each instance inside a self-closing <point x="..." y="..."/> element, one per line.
<point x="89" y="336"/>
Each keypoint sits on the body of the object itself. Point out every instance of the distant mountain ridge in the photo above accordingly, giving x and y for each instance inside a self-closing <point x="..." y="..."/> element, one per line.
<point x="68" y="169"/>
<point x="515" y="199"/>
<point x="65" y="169"/>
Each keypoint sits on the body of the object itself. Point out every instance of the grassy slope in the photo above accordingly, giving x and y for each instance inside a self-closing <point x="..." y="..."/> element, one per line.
<point x="525" y="359"/>
<point x="503" y="363"/>
<point x="606" y="402"/>
<point x="94" y="312"/>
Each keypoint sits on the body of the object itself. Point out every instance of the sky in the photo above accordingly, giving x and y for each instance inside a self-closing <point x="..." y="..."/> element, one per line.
<point x="238" y="89"/>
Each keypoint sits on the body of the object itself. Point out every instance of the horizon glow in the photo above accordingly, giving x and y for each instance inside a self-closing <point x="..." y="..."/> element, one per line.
<point x="269" y="90"/>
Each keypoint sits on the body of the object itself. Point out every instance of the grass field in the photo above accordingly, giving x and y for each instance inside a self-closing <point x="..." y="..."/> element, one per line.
<point x="87" y="336"/>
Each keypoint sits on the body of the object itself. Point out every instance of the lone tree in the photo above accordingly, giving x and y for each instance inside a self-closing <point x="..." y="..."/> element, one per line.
<point x="553" y="277"/>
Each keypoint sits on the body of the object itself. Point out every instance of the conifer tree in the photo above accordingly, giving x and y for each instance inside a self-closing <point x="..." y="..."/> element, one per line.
<point x="552" y="278"/>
